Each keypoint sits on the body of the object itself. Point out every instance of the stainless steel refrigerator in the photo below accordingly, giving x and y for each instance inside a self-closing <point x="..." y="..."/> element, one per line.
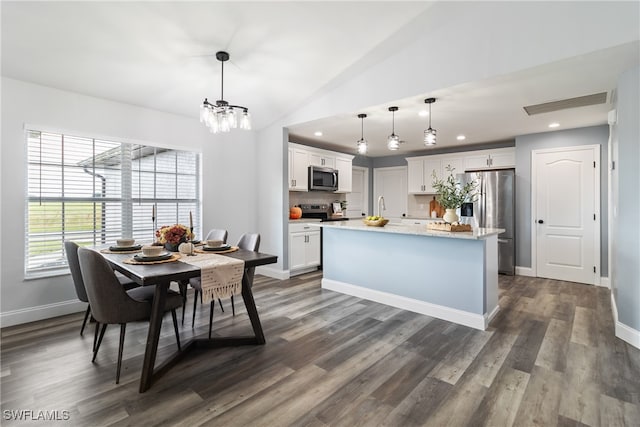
<point x="495" y="208"/>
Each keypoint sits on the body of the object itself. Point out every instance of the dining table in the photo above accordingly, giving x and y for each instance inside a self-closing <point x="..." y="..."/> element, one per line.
<point x="160" y="276"/>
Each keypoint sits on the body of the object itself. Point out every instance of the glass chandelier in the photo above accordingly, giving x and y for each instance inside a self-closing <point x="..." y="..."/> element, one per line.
<point x="222" y="116"/>
<point x="362" y="143"/>
<point x="430" y="134"/>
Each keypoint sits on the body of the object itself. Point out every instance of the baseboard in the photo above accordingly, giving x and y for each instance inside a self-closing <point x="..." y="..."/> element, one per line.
<point x="489" y="317"/>
<point x="272" y="272"/>
<point x="624" y="332"/>
<point x="604" y="282"/>
<point x="524" y="271"/>
<point x="41" y="312"/>
<point x="460" y="317"/>
<point x="302" y="271"/>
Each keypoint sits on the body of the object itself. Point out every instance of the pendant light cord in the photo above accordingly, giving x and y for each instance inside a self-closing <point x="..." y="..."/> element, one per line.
<point x="222" y="82"/>
<point x="393" y="122"/>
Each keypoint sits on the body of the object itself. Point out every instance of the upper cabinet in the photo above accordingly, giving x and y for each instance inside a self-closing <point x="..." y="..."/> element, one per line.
<point x="301" y="157"/>
<point x="490" y="159"/>
<point x="420" y="170"/>
<point x="298" y="165"/>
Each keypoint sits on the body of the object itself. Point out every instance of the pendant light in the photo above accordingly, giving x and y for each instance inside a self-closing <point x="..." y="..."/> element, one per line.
<point x="393" y="141"/>
<point x="222" y="116"/>
<point x="430" y="134"/>
<point x="362" y="143"/>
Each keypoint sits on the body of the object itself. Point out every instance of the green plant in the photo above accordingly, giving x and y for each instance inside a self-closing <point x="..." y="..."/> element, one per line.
<point x="343" y="204"/>
<point x="452" y="194"/>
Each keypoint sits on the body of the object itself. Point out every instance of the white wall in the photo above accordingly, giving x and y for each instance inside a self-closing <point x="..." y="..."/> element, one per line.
<point x="228" y="187"/>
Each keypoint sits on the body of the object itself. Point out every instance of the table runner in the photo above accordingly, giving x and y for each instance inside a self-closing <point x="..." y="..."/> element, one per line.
<point x="220" y="276"/>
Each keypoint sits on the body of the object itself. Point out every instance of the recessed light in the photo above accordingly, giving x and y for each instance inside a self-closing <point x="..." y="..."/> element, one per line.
<point x="317" y="133"/>
<point x="423" y="113"/>
<point x="461" y="137"/>
<point x="554" y="125"/>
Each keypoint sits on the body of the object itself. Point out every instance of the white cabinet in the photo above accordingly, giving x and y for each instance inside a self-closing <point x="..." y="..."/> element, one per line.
<point x="317" y="159"/>
<point x="301" y="157"/>
<point x="420" y="171"/>
<point x="304" y="247"/>
<point x="343" y="166"/>
<point x="490" y="159"/>
<point x="298" y="166"/>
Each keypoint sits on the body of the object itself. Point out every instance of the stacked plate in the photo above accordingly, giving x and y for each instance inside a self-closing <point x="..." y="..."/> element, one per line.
<point x="163" y="256"/>
<point x="224" y="247"/>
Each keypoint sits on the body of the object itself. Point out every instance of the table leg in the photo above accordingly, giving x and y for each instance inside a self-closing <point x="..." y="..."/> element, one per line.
<point x="155" y="323"/>
<point x="252" y="311"/>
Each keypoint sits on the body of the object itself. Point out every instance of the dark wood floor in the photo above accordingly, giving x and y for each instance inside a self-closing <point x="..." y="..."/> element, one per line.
<point x="549" y="358"/>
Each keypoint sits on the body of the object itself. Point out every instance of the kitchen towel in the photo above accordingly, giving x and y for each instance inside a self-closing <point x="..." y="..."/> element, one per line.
<point x="220" y="276"/>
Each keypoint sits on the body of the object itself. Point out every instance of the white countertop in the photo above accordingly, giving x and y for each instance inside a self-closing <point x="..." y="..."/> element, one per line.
<point x="419" y="230"/>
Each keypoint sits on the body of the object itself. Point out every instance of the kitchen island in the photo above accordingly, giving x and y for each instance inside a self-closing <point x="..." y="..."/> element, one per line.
<point x="451" y="276"/>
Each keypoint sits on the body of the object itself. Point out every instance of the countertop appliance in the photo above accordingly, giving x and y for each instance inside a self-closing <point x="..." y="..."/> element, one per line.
<point x="320" y="210"/>
<point x="323" y="179"/>
<point x="495" y="208"/>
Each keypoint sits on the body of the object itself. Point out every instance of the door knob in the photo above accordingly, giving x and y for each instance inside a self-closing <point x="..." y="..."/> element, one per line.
<point x="540" y="221"/>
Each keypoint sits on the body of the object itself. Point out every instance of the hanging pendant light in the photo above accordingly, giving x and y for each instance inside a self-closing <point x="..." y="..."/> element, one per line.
<point x="362" y="143"/>
<point x="430" y="134"/>
<point x="393" y="141"/>
<point x="222" y="116"/>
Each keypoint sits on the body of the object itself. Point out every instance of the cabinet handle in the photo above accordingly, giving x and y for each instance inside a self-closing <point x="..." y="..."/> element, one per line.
<point x="487" y="161"/>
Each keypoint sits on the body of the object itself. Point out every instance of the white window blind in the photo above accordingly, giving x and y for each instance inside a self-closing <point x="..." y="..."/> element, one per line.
<point x="94" y="191"/>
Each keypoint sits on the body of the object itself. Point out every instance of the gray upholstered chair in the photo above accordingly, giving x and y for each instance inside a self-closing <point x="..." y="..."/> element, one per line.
<point x="111" y="304"/>
<point x="249" y="242"/>
<point x="71" y="251"/>
<point x="214" y="234"/>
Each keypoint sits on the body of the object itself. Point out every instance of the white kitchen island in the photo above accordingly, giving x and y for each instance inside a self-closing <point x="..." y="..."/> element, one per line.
<point x="451" y="276"/>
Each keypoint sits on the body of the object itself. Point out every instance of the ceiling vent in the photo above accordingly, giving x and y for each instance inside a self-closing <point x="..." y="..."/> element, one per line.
<point x="580" y="101"/>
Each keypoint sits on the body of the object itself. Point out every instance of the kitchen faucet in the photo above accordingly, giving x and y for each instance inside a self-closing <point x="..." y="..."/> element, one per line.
<point x="381" y="203"/>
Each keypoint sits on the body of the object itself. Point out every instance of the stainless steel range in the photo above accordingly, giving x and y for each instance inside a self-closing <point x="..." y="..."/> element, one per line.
<point x="321" y="211"/>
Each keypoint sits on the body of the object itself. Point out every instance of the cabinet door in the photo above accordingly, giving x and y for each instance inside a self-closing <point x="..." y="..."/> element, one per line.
<point x="344" y="175"/>
<point x="475" y="162"/>
<point x="321" y="160"/>
<point x="415" y="176"/>
<point x="291" y="169"/>
<point x="503" y="160"/>
<point x="312" y="248"/>
<point x="300" y="170"/>
<point x="456" y="163"/>
<point x="297" y="250"/>
<point x="431" y="166"/>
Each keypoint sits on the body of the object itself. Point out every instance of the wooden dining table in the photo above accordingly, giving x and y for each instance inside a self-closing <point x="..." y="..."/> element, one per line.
<point x="161" y="276"/>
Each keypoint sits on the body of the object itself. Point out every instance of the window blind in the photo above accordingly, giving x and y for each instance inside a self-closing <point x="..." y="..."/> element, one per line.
<point x="93" y="191"/>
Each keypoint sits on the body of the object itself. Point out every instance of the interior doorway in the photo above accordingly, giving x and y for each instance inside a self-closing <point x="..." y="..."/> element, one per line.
<point x="565" y="209"/>
<point x="358" y="199"/>
<point x="391" y="183"/>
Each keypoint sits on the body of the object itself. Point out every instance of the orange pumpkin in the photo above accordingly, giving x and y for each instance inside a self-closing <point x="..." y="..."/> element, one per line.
<point x="295" y="213"/>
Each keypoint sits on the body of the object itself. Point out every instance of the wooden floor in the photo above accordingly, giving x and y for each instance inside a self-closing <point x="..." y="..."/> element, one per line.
<point x="549" y="358"/>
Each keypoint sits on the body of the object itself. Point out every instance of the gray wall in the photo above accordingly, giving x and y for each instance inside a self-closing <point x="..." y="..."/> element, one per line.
<point x="564" y="138"/>
<point x="626" y="232"/>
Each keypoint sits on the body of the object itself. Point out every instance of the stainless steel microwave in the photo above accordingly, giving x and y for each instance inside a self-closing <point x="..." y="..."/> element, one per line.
<point x="323" y="179"/>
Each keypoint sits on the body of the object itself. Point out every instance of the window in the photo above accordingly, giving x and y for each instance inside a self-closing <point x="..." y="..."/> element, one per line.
<point x="93" y="191"/>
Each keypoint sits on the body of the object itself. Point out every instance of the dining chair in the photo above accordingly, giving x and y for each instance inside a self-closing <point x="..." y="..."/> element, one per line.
<point x="71" y="251"/>
<point x="214" y="234"/>
<point x="249" y="242"/>
<point x="111" y="304"/>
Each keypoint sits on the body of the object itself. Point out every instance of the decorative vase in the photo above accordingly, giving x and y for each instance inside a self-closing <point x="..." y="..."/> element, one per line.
<point x="450" y="216"/>
<point x="171" y="247"/>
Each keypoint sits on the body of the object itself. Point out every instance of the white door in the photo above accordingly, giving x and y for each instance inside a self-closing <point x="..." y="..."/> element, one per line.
<point x="566" y="190"/>
<point x="358" y="199"/>
<point x="391" y="183"/>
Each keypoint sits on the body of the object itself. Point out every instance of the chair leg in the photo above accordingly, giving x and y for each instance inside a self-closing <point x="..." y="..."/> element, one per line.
<point x="95" y="351"/>
<point x="221" y="307"/>
<point x="175" y="327"/>
<point x="183" y="292"/>
<point x="213" y="305"/>
<point x="233" y="307"/>
<point x="123" y="328"/>
<point x="195" y="306"/>
<point x="86" y="317"/>
<point x="95" y="335"/>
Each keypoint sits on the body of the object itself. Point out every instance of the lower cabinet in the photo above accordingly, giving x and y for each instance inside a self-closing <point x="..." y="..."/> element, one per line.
<point x="304" y="248"/>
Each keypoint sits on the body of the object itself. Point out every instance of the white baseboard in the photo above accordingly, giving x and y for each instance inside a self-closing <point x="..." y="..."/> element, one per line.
<point x="604" y="282"/>
<point x="31" y="314"/>
<point x="489" y="317"/>
<point x="302" y="271"/>
<point x="624" y="332"/>
<point x="524" y="271"/>
<point x="272" y="272"/>
<point x="477" y="321"/>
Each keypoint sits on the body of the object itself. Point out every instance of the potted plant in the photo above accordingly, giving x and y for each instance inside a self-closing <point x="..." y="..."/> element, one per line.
<point x="172" y="235"/>
<point x="452" y="194"/>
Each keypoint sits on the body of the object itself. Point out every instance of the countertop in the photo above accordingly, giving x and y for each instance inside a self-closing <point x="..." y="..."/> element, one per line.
<point x="303" y="220"/>
<point x="419" y="230"/>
